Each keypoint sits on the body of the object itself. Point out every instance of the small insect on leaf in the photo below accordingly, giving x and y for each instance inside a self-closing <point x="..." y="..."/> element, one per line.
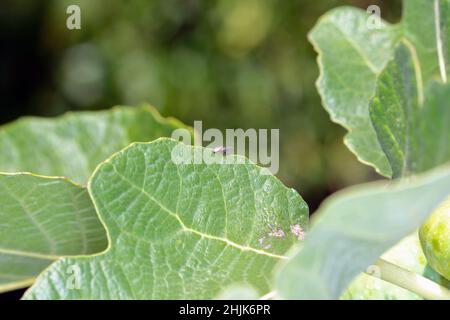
<point x="298" y="231"/>
<point x="277" y="233"/>
<point x="223" y="150"/>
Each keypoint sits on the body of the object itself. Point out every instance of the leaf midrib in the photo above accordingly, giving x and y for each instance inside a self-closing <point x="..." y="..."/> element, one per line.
<point x="361" y="53"/>
<point x="36" y="255"/>
<point x="190" y="230"/>
<point x="440" y="52"/>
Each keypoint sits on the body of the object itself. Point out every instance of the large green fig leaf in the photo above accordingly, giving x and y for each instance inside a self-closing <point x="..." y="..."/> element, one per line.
<point x="354" y="228"/>
<point x="181" y="230"/>
<point x="71" y="146"/>
<point x="74" y="144"/>
<point x="413" y="127"/>
<point x="352" y="56"/>
<point x="41" y="219"/>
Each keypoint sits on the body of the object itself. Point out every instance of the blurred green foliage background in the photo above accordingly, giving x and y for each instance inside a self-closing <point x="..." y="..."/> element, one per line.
<point x="231" y="63"/>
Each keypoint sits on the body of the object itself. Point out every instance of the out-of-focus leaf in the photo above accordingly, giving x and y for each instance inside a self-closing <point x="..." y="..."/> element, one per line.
<point x="42" y="219"/>
<point x="181" y="230"/>
<point x="354" y="228"/>
<point x="238" y="292"/>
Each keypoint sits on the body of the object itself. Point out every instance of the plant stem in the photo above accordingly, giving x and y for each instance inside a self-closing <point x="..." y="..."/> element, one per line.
<point x="269" y="296"/>
<point x="411" y="281"/>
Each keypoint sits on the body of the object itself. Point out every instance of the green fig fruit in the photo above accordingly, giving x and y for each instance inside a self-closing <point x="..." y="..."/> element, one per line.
<point x="435" y="239"/>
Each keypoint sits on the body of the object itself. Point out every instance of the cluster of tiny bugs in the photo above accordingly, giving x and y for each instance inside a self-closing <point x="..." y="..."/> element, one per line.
<point x="296" y="230"/>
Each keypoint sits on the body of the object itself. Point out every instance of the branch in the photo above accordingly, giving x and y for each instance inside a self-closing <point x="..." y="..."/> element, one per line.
<point x="411" y="281"/>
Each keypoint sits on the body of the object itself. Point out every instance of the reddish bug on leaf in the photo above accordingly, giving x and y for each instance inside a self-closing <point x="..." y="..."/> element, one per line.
<point x="223" y="150"/>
